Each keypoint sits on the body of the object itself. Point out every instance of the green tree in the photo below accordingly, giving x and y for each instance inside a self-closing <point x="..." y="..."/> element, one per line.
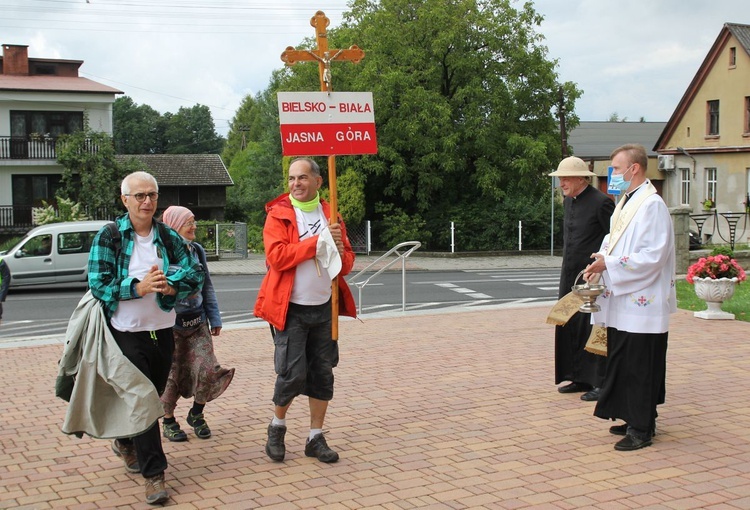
<point x="467" y="111"/>
<point x="615" y="117"/>
<point x="137" y="129"/>
<point x="192" y="131"/>
<point x="257" y="170"/>
<point x="258" y="179"/>
<point x="91" y="175"/>
<point x="351" y="197"/>
<point x="465" y="101"/>
<point x="246" y="126"/>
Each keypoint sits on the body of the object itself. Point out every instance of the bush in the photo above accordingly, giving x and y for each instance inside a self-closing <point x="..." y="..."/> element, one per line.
<point x="9" y="243"/>
<point x="255" y="239"/>
<point x="398" y="227"/>
<point x="723" y="250"/>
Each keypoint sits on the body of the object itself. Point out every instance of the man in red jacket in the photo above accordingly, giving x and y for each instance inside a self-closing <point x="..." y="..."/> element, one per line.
<point x="302" y="253"/>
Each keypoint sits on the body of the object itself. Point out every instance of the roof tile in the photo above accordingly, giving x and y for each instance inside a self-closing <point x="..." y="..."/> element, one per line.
<point x="184" y="169"/>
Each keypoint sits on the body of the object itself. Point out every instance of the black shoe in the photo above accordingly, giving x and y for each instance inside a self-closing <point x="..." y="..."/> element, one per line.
<point x="574" y="387"/>
<point x="317" y="447"/>
<point x="591" y="396"/>
<point x="630" y="443"/>
<point x="275" y="448"/>
<point x="619" y="430"/>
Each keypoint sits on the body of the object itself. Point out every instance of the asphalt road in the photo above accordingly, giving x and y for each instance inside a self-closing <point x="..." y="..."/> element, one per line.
<point x="43" y="311"/>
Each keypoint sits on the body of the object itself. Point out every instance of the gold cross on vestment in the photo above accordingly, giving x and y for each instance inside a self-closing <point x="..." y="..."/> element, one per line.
<point x="322" y="54"/>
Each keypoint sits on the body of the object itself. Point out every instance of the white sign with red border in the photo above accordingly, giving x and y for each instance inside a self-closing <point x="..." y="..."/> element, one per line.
<point x="323" y="124"/>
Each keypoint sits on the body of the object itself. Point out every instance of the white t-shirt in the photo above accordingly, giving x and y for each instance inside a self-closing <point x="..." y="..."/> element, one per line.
<point x="142" y="314"/>
<point x="311" y="288"/>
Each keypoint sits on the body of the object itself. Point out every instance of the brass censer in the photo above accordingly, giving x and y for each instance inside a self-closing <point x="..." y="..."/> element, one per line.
<point x="588" y="292"/>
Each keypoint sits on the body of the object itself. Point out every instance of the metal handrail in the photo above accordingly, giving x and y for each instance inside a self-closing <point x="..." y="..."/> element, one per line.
<point x="414" y="245"/>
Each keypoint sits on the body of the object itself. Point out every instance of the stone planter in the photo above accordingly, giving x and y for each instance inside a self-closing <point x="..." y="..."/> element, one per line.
<point x="714" y="293"/>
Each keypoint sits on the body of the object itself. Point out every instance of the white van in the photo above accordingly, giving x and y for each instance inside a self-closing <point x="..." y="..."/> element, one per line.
<point x="54" y="253"/>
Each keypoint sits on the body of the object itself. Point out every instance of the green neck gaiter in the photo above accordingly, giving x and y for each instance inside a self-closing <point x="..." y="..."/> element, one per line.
<point x="306" y="206"/>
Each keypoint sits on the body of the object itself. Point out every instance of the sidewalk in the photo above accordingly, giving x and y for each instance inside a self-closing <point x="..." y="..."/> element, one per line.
<point x="442" y="411"/>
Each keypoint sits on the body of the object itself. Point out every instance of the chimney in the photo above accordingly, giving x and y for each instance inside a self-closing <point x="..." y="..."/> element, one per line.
<point x="15" y="59"/>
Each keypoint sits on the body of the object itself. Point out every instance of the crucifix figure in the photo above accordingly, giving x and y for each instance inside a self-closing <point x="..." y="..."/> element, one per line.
<point x="323" y="56"/>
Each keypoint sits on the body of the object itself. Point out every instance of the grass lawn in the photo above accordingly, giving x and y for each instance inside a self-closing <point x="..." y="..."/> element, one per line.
<point x="739" y="305"/>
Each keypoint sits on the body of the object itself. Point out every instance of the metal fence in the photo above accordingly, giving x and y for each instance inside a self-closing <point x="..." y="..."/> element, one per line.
<point x="359" y="236"/>
<point x="223" y="240"/>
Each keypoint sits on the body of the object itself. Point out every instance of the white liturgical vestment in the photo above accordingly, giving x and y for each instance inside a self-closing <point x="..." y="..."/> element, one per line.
<point x="640" y="274"/>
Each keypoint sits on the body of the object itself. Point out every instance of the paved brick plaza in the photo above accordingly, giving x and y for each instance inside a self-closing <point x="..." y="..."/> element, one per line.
<point x="452" y="410"/>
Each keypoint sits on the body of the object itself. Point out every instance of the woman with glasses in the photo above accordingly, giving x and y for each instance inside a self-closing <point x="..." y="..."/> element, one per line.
<point x="195" y="371"/>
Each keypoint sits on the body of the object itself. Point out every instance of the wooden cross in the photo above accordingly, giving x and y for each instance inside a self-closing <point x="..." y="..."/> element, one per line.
<point x="324" y="56"/>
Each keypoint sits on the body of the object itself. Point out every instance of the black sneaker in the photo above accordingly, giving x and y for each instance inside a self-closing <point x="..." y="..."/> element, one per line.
<point x="275" y="448"/>
<point x="317" y="447"/>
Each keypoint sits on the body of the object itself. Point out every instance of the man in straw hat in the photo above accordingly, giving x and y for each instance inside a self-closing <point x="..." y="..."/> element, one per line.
<point x="637" y="264"/>
<point x="587" y="215"/>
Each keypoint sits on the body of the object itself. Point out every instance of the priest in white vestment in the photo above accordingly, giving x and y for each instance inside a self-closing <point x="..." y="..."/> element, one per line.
<point x="636" y="262"/>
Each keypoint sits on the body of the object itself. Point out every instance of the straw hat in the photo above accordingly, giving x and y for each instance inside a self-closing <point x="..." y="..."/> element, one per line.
<point x="572" y="167"/>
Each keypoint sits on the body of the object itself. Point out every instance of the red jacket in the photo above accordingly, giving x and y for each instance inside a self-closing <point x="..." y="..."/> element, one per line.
<point x="284" y="251"/>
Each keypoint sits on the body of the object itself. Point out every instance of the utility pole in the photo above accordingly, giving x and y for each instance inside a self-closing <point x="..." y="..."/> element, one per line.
<point x="243" y="129"/>
<point x="563" y="131"/>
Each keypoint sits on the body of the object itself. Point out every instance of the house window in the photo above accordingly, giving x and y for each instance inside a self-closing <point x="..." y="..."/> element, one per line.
<point x="732" y="57"/>
<point x="54" y="124"/>
<point x="44" y="69"/>
<point x="685" y="186"/>
<point x="712" y="122"/>
<point x="746" y="128"/>
<point x="29" y="191"/>
<point x="711" y="184"/>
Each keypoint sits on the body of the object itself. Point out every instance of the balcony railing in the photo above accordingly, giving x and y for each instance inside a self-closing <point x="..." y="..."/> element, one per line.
<point x="18" y="218"/>
<point x="35" y="147"/>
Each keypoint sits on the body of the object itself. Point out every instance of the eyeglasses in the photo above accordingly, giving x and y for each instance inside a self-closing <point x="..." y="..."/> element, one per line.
<point x="141" y="197"/>
<point x="190" y="224"/>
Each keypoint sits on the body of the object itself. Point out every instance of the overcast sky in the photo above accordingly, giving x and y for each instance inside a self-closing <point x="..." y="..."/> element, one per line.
<point x="630" y="57"/>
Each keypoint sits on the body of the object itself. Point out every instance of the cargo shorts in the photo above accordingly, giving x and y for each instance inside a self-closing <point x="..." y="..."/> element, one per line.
<point x="305" y="354"/>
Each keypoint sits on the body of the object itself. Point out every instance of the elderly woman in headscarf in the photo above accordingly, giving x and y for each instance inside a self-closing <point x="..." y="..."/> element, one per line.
<point x="195" y="371"/>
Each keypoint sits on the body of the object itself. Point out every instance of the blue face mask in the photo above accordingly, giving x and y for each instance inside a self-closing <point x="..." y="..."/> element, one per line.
<point x="617" y="181"/>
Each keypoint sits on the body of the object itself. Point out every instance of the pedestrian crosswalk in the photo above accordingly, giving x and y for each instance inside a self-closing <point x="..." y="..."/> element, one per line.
<point x="545" y="279"/>
<point x="487" y="288"/>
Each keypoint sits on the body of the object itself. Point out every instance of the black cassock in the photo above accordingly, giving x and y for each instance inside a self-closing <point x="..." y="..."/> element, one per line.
<point x="585" y="224"/>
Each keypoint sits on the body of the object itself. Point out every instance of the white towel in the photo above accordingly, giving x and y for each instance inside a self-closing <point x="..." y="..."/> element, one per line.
<point x="328" y="254"/>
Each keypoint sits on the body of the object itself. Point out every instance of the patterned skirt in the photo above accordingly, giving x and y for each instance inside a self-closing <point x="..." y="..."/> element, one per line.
<point x="195" y="371"/>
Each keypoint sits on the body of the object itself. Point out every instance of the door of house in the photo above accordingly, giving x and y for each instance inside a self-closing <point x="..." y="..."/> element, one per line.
<point x="19" y="143"/>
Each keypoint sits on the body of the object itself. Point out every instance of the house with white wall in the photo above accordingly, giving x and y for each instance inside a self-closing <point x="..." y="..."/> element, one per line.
<point x="41" y="99"/>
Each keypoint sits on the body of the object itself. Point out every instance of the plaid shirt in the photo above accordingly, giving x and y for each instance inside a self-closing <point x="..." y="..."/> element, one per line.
<point x="109" y="280"/>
